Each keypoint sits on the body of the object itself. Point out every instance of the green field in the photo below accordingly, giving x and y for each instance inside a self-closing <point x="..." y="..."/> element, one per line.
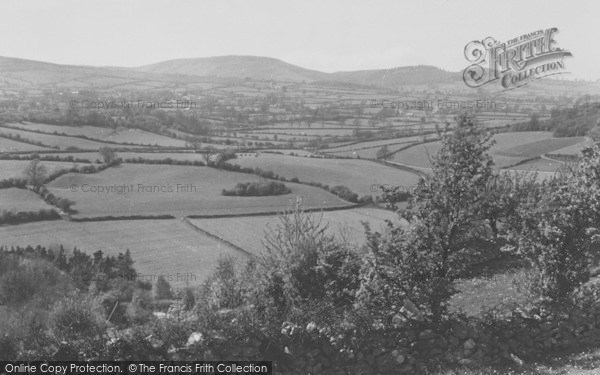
<point x="379" y="143"/>
<point x="55" y="140"/>
<point x="121" y="135"/>
<point x="15" y="168"/>
<point x="7" y="145"/>
<point x="358" y="175"/>
<point x="14" y="199"/>
<point x="158" y="247"/>
<point x="573" y="149"/>
<point x="248" y="232"/>
<point x="95" y="156"/>
<point x="163" y="181"/>
<point x="510" y="148"/>
<point x="539" y="165"/>
<point x="541" y="147"/>
<point x="368" y="153"/>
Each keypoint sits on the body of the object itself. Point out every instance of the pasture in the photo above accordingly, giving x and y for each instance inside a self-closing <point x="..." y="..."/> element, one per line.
<point x="510" y="148"/>
<point x="379" y="143"/>
<point x="14" y="199"/>
<point x="62" y="142"/>
<point x="120" y="135"/>
<point x="358" y="175"/>
<point x="158" y="247"/>
<point x="367" y="153"/>
<point x="248" y="232"/>
<point x="135" y="189"/>
<point x="8" y="145"/>
<point x="15" y="168"/>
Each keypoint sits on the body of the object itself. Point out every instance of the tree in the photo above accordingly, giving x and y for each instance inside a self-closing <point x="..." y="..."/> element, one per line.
<point x="108" y="154"/>
<point x="558" y="229"/>
<point x="382" y="153"/>
<point x="207" y="152"/>
<point x="194" y="143"/>
<point x="162" y="289"/>
<point x="304" y="271"/>
<point x="36" y="173"/>
<point x="446" y="223"/>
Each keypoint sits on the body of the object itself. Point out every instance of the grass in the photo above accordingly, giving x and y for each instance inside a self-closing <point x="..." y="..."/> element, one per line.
<point x="7" y="145"/>
<point x="55" y="140"/>
<point x="14" y="199"/>
<point x="541" y="147"/>
<point x="574" y="149"/>
<point x="163" y="181"/>
<point x="509" y="149"/>
<point x="367" y="153"/>
<point x="15" y="168"/>
<point x="541" y="165"/>
<point x="93" y="156"/>
<point x="379" y="143"/>
<point x="158" y="247"/>
<point x="314" y="131"/>
<point x="358" y="175"/>
<point x="121" y="135"/>
<point x="248" y="232"/>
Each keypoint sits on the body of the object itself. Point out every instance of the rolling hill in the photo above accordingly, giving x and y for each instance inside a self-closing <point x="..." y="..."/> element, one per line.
<point x="31" y="73"/>
<point x="392" y="78"/>
<point x="236" y="66"/>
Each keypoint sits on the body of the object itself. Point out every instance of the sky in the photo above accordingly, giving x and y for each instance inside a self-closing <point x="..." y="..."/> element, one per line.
<point x="325" y="35"/>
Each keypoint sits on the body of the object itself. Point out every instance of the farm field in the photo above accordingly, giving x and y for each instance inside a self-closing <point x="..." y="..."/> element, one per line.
<point x="153" y="190"/>
<point x="15" y="168"/>
<point x="122" y="135"/>
<point x="295" y="151"/>
<point x="573" y="149"/>
<point x="248" y="232"/>
<point x="368" y="153"/>
<point x="541" y="147"/>
<point x="55" y="140"/>
<point x="370" y="144"/>
<point x="540" y="165"/>
<point x="8" y="145"/>
<point x="313" y="131"/>
<point x="358" y="175"/>
<point x="510" y="148"/>
<point x="95" y="156"/>
<point x="14" y="199"/>
<point x="158" y="247"/>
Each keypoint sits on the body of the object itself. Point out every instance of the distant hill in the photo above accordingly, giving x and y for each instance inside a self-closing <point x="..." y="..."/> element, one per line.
<point x="236" y="66"/>
<point x="30" y="72"/>
<point x="393" y="78"/>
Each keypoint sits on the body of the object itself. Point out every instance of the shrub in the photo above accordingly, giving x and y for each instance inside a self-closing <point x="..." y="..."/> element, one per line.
<point x="344" y="193"/>
<point x="162" y="289"/>
<point x="71" y="318"/>
<point x="258" y="189"/>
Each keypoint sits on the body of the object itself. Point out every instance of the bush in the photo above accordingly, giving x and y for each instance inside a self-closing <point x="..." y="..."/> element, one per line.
<point x="344" y="193"/>
<point x="250" y="189"/>
<point x="71" y="318"/>
<point x="162" y="289"/>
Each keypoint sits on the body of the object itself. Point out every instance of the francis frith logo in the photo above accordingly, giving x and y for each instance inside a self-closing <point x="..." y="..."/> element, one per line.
<point x="516" y="62"/>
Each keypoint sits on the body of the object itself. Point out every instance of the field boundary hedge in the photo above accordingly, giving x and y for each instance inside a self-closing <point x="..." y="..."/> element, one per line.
<point x="271" y="213"/>
<point x="214" y="236"/>
<point x="118" y="218"/>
